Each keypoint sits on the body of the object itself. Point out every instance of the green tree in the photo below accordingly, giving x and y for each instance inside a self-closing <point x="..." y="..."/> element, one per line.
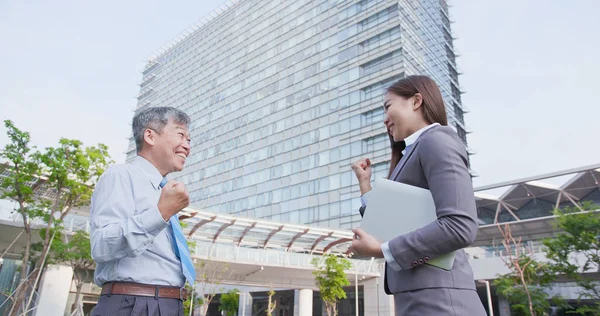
<point x="74" y="251"/>
<point x="529" y="299"/>
<point x="72" y="171"/>
<point x="330" y="278"/>
<point x="524" y="286"/>
<point x="21" y="172"/>
<point x="271" y="305"/>
<point x="66" y="173"/>
<point x="579" y="237"/>
<point x="230" y="302"/>
<point x="208" y="279"/>
<point x="192" y="301"/>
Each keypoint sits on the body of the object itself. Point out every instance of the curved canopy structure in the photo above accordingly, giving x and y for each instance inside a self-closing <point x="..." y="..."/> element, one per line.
<point x="537" y="196"/>
<point x="256" y="233"/>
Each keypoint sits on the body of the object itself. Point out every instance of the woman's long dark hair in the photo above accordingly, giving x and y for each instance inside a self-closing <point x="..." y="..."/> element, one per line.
<point x="433" y="107"/>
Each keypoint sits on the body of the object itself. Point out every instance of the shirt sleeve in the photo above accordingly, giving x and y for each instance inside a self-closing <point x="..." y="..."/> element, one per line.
<point x="364" y="199"/>
<point x="116" y="230"/>
<point x="389" y="258"/>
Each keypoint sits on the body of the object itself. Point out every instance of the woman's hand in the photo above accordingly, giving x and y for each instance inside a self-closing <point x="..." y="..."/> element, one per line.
<point x="365" y="244"/>
<point x="362" y="171"/>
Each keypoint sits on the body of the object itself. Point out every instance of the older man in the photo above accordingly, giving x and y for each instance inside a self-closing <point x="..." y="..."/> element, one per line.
<point x="140" y="250"/>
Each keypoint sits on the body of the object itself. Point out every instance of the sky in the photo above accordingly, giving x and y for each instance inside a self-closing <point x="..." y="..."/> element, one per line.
<point x="529" y="69"/>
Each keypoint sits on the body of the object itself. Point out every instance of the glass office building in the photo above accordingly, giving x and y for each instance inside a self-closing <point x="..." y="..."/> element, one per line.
<point x="285" y="95"/>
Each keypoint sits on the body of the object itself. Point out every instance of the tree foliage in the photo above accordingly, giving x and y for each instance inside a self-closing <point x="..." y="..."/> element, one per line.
<point x="20" y="172"/>
<point x="230" y="302"/>
<point x="525" y="285"/>
<point x="46" y="185"/>
<point x="271" y="304"/>
<point x="576" y="250"/>
<point x="74" y="251"/>
<point x="330" y="278"/>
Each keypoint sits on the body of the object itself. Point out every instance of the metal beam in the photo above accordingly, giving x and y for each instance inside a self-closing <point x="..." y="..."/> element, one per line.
<point x="335" y="243"/>
<point x="511" y="212"/>
<point x="319" y="240"/>
<point x="222" y="228"/>
<point x="202" y="222"/>
<point x="186" y="216"/>
<point x="296" y="237"/>
<point x="271" y="234"/>
<point x="246" y="232"/>
<point x="558" y="199"/>
<point x="539" y="177"/>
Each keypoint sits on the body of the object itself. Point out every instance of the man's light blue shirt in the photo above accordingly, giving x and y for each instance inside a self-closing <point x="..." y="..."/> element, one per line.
<point x="130" y="240"/>
<point x="385" y="248"/>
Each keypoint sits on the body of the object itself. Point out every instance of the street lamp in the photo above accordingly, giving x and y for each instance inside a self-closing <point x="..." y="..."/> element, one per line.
<point x="489" y="295"/>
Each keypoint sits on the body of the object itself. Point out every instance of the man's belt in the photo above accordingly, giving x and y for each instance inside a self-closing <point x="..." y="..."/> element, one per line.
<point x="137" y="289"/>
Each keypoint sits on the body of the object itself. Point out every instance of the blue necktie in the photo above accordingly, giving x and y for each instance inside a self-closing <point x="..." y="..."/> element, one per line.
<point x="181" y="248"/>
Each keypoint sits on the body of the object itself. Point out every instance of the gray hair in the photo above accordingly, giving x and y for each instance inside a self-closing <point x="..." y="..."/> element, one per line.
<point x="155" y="118"/>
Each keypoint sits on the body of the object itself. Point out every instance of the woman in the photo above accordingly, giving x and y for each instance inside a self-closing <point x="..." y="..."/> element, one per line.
<point x="428" y="154"/>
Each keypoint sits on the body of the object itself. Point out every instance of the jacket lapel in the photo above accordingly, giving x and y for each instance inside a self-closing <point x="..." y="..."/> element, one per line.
<point x="402" y="161"/>
<point x="405" y="158"/>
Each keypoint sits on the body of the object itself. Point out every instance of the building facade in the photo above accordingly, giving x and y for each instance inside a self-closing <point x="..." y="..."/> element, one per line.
<point x="285" y="95"/>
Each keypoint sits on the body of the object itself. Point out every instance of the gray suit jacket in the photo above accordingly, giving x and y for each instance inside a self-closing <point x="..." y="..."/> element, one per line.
<point x="436" y="161"/>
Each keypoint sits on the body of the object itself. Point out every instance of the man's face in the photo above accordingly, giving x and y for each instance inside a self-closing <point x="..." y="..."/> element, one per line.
<point x="172" y="147"/>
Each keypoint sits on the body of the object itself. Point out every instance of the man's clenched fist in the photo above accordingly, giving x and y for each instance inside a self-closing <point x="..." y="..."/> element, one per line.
<point x="173" y="198"/>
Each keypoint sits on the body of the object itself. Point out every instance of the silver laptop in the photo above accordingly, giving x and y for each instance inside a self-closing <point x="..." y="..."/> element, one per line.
<point x="395" y="208"/>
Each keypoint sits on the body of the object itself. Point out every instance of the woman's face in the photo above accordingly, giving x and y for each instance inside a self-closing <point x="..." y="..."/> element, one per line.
<point x="401" y="114"/>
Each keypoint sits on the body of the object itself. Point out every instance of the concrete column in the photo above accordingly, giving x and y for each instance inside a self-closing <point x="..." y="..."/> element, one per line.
<point x="245" y="307"/>
<point x="376" y="302"/>
<point x="296" y="296"/>
<point x="54" y="291"/>
<point x="503" y="306"/>
<point x="303" y="302"/>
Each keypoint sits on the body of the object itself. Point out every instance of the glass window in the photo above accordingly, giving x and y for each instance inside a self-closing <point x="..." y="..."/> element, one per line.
<point x="286" y="194"/>
<point x="353" y="74"/>
<point x="287" y="145"/>
<point x="324" y="184"/>
<point x="380" y="17"/>
<point x="334" y="182"/>
<point x="324" y="132"/>
<point x="277" y="196"/>
<point x="334" y="209"/>
<point x="379" y="63"/>
<point x="344" y="77"/>
<point x="334" y="154"/>
<point x="334" y="104"/>
<point x="374" y="116"/>
<point x="324" y="158"/>
<point x="344" y="126"/>
<point x="355" y="122"/>
<point x="334" y="129"/>
<point x="295" y="190"/>
<point x="295" y="217"/>
<point x="346" y="208"/>
<point x="345" y="179"/>
<point x="324" y="212"/>
<point x="345" y="151"/>
<point x="356" y="148"/>
<point x="354" y="97"/>
<point x="377" y="90"/>
<point x="380" y="170"/>
<point x="344" y="101"/>
<point x="304" y="189"/>
<point x="296" y="166"/>
<point x="303" y="216"/>
<point x="286" y="169"/>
